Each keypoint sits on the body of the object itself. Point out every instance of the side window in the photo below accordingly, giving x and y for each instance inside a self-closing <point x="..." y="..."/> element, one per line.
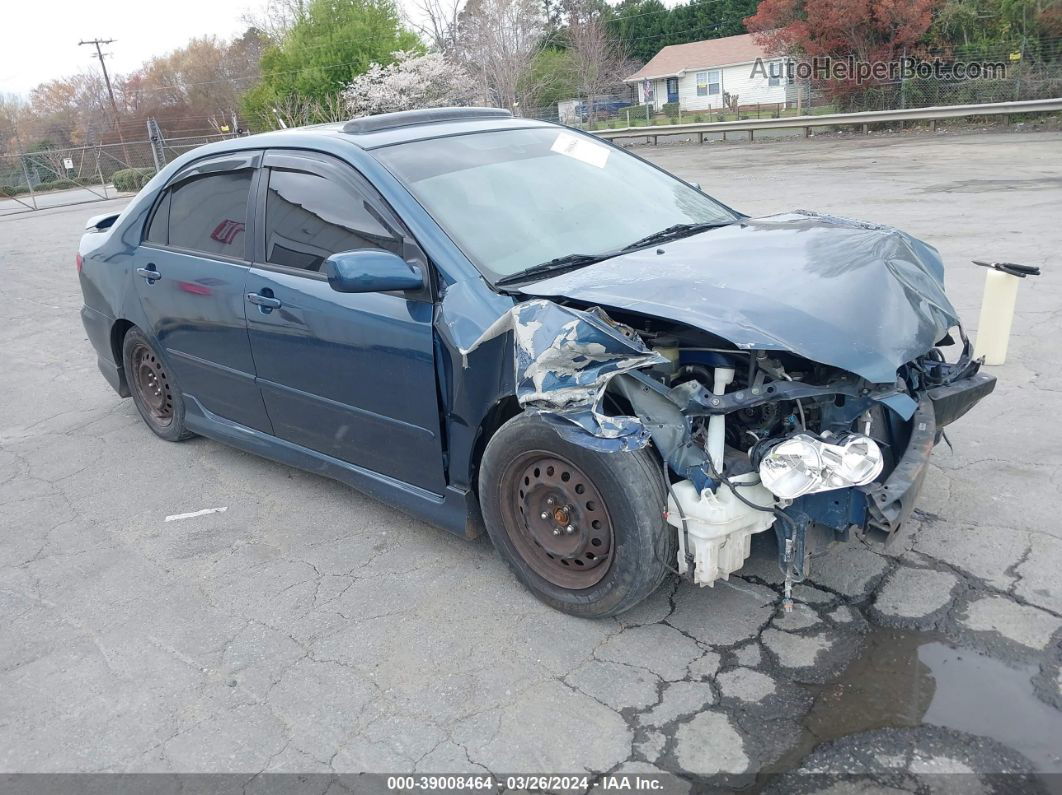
<point x="209" y="213"/>
<point x="309" y="217"/>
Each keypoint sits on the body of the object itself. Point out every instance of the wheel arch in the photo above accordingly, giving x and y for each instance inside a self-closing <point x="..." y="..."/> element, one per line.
<point x="119" y="329"/>
<point x="497" y="415"/>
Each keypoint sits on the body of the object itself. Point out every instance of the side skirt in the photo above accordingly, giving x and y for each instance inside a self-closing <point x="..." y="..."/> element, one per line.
<point x="456" y="510"/>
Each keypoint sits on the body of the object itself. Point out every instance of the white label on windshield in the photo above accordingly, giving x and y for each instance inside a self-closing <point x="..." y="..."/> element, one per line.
<point x="581" y="149"/>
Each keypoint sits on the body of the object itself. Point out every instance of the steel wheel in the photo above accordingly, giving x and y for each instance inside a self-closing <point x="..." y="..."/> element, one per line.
<point x="151" y="384"/>
<point x="557" y="520"/>
<point x="617" y="550"/>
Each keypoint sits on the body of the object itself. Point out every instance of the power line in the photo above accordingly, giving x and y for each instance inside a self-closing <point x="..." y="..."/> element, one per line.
<point x="110" y="91"/>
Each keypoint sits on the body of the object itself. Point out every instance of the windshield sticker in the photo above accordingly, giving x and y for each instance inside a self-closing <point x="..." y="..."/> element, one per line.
<point x="581" y="149"/>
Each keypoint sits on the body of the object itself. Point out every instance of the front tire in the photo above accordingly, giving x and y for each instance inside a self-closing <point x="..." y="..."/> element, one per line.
<point x="583" y="530"/>
<point x="154" y="389"/>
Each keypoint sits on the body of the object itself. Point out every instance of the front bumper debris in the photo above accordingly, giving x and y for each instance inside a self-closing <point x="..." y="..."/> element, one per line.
<point x="889" y="504"/>
<point x="953" y="400"/>
<point x="565" y="359"/>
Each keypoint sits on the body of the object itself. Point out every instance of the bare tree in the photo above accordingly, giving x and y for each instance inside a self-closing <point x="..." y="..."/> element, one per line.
<point x="277" y="17"/>
<point x="296" y="111"/>
<point x="437" y="23"/>
<point x="598" y="60"/>
<point x="14" y="113"/>
<point x="62" y="110"/>
<point x="497" y="43"/>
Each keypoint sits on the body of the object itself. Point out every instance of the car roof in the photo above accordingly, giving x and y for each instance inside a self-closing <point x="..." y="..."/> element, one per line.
<point x="388" y="129"/>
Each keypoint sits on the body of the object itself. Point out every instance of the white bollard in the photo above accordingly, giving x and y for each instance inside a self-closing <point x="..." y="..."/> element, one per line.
<point x="997" y="316"/>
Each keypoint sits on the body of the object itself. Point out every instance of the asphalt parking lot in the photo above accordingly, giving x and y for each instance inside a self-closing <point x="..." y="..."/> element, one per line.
<point x="306" y="628"/>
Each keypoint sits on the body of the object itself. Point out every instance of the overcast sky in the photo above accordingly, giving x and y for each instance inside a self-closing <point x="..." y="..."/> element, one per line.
<point x="41" y="37"/>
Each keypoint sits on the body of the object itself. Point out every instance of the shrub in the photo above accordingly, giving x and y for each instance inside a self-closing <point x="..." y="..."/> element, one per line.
<point x="698" y="118"/>
<point x="637" y="113"/>
<point x="41" y="187"/>
<point x="671" y="110"/>
<point x="131" y="179"/>
<point x="61" y="184"/>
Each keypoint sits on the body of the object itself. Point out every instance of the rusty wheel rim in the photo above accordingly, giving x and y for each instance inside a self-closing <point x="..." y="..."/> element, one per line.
<point x="152" y="385"/>
<point x="557" y="520"/>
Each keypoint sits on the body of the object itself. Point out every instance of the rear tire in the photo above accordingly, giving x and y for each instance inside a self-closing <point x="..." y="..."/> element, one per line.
<point x="583" y="530"/>
<point x="154" y="389"/>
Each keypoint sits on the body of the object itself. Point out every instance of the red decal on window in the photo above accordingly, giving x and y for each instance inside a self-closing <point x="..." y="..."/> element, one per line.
<point x="226" y="231"/>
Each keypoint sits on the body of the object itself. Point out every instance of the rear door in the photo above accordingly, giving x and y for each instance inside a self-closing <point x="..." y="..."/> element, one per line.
<point x="348" y="375"/>
<point x="190" y="274"/>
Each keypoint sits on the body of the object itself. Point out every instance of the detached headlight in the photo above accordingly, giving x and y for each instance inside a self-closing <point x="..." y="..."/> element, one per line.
<point x="803" y="465"/>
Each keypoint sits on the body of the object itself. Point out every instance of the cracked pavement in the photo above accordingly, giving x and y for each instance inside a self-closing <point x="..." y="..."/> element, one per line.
<point x="308" y="628"/>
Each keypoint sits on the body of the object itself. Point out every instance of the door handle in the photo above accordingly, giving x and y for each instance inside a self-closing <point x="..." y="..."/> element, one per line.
<point x="266" y="301"/>
<point x="149" y="273"/>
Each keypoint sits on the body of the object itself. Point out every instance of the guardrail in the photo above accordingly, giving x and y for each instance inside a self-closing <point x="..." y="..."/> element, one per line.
<point x="864" y="118"/>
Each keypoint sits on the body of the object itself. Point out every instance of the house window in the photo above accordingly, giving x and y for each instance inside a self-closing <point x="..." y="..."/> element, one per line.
<point x="708" y="83"/>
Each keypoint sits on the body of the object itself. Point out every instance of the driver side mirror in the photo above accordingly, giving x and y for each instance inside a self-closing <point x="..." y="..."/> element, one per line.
<point x="371" y="271"/>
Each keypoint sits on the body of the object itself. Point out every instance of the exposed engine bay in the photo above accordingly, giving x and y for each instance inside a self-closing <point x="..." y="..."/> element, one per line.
<point x="749" y="440"/>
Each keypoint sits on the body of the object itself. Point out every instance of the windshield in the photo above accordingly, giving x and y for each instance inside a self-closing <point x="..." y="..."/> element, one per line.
<point x="513" y="199"/>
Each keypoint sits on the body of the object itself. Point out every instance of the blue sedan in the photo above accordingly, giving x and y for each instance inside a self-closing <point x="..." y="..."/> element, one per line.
<point x="498" y="323"/>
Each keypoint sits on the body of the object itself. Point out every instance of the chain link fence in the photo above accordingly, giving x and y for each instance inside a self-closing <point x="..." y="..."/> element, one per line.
<point x="56" y="177"/>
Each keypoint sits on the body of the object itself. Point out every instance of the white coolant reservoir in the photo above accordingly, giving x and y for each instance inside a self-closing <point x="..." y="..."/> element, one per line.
<point x="719" y="525"/>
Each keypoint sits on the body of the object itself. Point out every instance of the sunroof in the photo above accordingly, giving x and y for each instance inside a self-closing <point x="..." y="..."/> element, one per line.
<point x="406" y="118"/>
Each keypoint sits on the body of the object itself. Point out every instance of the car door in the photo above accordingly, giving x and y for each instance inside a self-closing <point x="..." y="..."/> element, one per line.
<point x="190" y="272"/>
<point x="351" y="375"/>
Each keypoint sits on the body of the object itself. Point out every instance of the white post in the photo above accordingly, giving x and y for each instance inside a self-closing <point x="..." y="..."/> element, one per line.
<point x="997" y="316"/>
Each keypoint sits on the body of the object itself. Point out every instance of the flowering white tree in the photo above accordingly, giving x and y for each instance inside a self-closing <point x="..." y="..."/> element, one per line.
<point x="412" y="81"/>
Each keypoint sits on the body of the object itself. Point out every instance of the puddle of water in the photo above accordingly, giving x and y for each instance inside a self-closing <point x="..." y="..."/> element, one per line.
<point x="979" y="695"/>
<point x="908" y="679"/>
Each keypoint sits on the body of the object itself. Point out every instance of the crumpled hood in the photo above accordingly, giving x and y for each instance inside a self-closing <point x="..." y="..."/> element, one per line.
<point x="857" y="296"/>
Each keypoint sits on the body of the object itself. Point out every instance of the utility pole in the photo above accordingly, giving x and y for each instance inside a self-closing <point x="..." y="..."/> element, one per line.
<point x="158" y="153"/>
<point x="110" y="92"/>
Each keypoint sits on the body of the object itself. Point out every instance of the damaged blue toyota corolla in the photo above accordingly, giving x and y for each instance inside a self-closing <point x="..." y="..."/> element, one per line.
<point x="491" y="321"/>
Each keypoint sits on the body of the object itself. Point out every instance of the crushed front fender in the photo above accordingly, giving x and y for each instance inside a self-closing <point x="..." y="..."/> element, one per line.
<point x="564" y="359"/>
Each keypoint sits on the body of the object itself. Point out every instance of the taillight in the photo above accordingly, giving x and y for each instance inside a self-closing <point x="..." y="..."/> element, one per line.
<point x="80" y="262"/>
